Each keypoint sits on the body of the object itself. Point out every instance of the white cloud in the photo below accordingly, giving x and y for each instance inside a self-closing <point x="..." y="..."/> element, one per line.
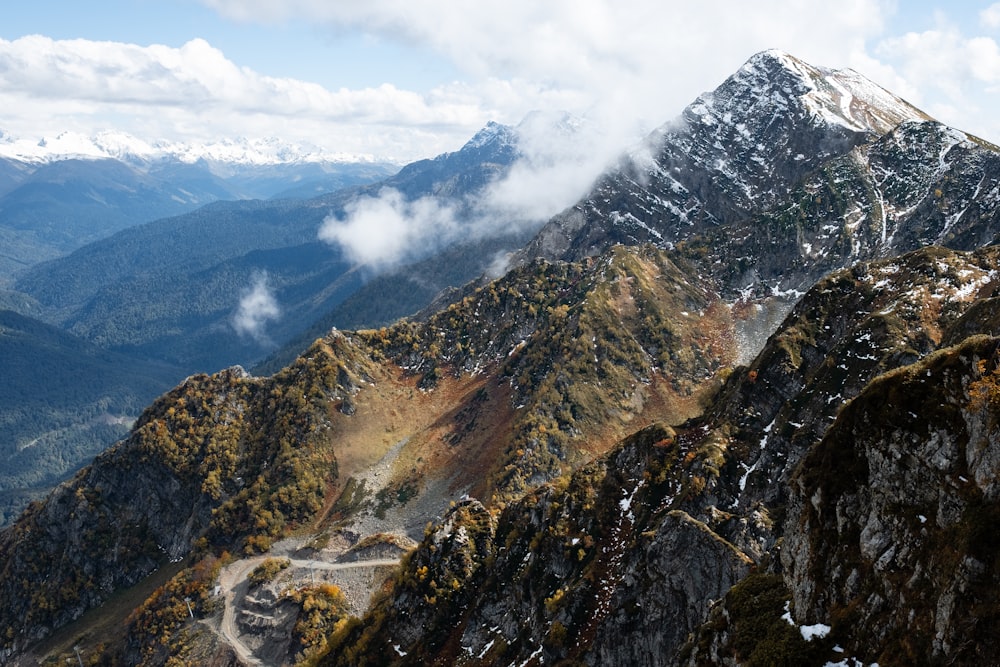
<point x="642" y="59"/>
<point x="958" y="77"/>
<point x="990" y="17"/>
<point x="195" y="92"/>
<point x="560" y="156"/>
<point x="385" y="230"/>
<point x="257" y="307"/>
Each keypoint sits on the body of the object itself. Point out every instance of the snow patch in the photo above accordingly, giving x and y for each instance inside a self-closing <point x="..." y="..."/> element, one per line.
<point x="815" y="631"/>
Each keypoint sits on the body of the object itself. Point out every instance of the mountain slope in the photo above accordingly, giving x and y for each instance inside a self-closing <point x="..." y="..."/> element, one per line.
<point x="467" y="410"/>
<point x="63" y="401"/>
<point x="620" y="563"/>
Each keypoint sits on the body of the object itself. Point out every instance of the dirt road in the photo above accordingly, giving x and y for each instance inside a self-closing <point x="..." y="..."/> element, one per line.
<point x="234" y="586"/>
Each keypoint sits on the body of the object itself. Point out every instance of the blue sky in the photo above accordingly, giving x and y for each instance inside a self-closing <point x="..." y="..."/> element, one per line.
<point x="294" y="48"/>
<point x="404" y="79"/>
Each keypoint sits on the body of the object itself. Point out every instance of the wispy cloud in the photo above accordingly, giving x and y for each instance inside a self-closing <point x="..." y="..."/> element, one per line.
<point x="643" y="60"/>
<point x="990" y="17"/>
<point x="640" y="59"/>
<point x="257" y="307"/>
<point x="559" y="157"/>
<point x="949" y="72"/>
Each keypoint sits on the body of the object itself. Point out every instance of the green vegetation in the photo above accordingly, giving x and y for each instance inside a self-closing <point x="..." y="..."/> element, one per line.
<point x="62" y="402"/>
<point x="759" y="635"/>
<point x="577" y="342"/>
<point x="323" y="611"/>
<point x="155" y="627"/>
<point x="267" y="571"/>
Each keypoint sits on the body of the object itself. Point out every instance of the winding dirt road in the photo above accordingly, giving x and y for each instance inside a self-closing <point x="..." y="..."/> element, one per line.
<point x="234" y="586"/>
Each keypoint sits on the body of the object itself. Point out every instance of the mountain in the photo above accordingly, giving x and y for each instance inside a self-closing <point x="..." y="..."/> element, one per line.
<point x="763" y="433"/>
<point x="830" y="497"/>
<point x="59" y="194"/>
<point x="205" y="456"/>
<point x="63" y="401"/>
<point x="170" y="289"/>
<point x="784" y="173"/>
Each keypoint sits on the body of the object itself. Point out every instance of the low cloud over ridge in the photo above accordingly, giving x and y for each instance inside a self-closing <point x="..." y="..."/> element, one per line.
<point x="560" y="157"/>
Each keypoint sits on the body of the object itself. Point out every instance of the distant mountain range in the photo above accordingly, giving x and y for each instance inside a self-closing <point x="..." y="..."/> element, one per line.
<point x="223" y="155"/>
<point x="170" y="289"/>
<point x="740" y="404"/>
<point x="164" y="299"/>
<point x="59" y="194"/>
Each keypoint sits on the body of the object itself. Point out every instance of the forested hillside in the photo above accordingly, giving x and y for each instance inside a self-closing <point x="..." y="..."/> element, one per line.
<point x="62" y="401"/>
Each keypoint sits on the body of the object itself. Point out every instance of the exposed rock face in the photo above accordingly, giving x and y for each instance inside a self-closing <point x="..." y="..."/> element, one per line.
<point x="606" y="567"/>
<point x="785" y="173"/>
<point x="891" y="529"/>
<point x="622" y="563"/>
<point x="853" y="326"/>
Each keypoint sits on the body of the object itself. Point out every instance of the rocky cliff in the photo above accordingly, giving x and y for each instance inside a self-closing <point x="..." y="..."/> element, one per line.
<point x="785" y="497"/>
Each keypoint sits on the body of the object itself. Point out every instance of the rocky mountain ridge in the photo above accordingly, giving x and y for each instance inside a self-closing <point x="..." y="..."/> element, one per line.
<point x="785" y="173"/>
<point x="317" y="426"/>
<point x="638" y="477"/>
<point x="622" y="562"/>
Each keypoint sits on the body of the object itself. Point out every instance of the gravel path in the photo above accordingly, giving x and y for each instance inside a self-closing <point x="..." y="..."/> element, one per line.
<point x="234" y="585"/>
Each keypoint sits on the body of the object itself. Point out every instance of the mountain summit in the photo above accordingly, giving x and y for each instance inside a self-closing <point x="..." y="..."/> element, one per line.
<point x="792" y="171"/>
<point x="780" y="81"/>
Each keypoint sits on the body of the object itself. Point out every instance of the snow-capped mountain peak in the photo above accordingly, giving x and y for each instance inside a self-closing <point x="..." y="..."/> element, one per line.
<point x="838" y="96"/>
<point x="492" y="133"/>
<point x="127" y="148"/>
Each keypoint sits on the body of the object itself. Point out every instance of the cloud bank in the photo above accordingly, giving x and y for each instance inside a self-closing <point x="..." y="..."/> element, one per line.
<point x="623" y="65"/>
